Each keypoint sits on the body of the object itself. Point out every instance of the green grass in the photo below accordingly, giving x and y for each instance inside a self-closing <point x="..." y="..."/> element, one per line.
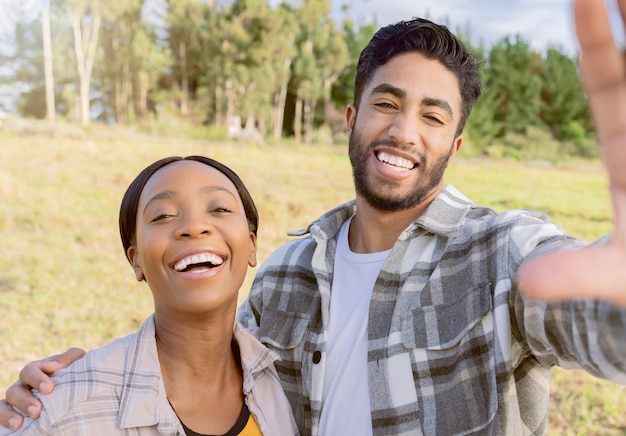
<point x="64" y="280"/>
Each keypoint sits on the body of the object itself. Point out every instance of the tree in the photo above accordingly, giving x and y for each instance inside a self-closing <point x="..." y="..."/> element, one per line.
<point x="563" y="100"/>
<point x="188" y="22"/>
<point x="482" y="127"/>
<point x="282" y="55"/>
<point x="314" y="19"/>
<point x="514" y="77"/>
<point x="85" y="19"/>
<point x="47" y="53"/>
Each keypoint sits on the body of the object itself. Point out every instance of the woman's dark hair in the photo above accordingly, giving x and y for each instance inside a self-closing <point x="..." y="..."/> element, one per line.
<point x="130" y="201"/>
<point x="432" y="41"/>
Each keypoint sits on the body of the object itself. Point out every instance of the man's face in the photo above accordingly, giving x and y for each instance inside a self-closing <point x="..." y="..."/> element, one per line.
<point x="402" y="135"/>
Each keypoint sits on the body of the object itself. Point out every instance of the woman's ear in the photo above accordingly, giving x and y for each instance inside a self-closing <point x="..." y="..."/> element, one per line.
<point x="132" y="255"/>
<point x="252" y="250"/>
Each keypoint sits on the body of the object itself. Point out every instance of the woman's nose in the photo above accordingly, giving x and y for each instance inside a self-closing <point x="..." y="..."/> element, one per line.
<point x="194" y="226"/>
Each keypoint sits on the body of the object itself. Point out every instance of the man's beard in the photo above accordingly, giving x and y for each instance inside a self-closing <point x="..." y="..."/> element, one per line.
<point x="378" y="194"/>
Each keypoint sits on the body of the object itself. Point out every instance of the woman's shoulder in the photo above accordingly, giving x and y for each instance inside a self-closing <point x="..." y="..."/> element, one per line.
<point x="99" y="375"/>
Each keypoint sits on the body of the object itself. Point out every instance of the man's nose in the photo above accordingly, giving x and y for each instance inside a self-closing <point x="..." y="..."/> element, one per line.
<point x="404" y="129"/>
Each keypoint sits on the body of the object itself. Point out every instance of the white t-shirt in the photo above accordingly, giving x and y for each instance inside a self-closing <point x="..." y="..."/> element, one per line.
<point x="345" y="399"/>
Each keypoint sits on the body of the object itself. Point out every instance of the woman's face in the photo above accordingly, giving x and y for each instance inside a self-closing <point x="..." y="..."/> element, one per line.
<point x="193" y="245"/>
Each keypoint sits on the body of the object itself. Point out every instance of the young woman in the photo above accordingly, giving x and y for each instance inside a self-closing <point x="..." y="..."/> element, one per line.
<point x="188" y="227"/>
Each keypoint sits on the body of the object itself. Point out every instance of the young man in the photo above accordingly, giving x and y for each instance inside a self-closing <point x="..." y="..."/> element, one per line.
<point x="401" y="312"/>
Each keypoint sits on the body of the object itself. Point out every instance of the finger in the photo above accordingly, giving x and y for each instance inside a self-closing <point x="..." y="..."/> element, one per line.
<point x="21" y="397"/>
<point x="8" y="417"/>
<point x="604" y="78"/>
<point x="618" y="197"/>
<point x="622" y="9"/>
<point x="35" y="374"/>
<point x="64" y="359"/>
<point x="601" y="65"/>
<point x="601" y="62"/>
<point x="596" y="273"/>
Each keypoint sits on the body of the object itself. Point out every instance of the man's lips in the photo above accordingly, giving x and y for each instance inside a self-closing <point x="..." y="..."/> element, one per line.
<point x="395" y="162"/>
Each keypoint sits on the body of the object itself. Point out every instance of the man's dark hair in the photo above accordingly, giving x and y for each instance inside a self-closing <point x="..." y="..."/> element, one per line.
<point x="432" y="41"/>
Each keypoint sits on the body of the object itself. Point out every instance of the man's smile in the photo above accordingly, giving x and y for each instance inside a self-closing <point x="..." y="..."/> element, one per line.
<point x="395" y="162"/>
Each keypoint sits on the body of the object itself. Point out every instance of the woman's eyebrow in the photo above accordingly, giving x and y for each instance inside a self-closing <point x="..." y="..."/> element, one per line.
<point x="164" y="195"/>
<point x="208" y="189"/>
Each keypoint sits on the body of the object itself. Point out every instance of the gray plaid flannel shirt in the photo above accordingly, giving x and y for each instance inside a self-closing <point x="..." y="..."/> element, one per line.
<point x="453" y="347"/>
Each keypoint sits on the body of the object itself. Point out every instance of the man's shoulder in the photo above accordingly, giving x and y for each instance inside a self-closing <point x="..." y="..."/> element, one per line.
<point x="296" y="252"/>
<point x="507" y="218"/>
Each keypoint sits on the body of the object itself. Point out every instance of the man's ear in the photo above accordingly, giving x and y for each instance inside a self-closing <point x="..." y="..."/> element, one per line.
<point x="252" y="250"/>
<point x="132" y="255"/>
<point x="456" y="146"/>
<point x="350" y="117"/>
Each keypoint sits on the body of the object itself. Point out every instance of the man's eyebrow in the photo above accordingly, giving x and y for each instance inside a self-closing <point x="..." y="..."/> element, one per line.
<point x="386" y="88"/>
<point x="428" y="101"/>
<point x="164" y="195"/>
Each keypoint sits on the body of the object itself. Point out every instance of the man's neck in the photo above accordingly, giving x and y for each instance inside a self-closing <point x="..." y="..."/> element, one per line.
<point x="373" y="230"/>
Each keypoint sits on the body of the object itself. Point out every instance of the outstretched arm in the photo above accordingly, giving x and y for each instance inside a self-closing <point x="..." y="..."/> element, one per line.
<point x="34" y="374"/>
<point x="594" y="272"/>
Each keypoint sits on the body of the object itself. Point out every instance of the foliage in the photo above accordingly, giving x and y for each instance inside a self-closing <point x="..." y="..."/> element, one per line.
<point x="285" y="70"/>
<point x="564" y="107"/>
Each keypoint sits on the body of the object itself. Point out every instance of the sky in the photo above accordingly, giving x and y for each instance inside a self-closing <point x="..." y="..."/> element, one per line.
<point x="541" y="23"/>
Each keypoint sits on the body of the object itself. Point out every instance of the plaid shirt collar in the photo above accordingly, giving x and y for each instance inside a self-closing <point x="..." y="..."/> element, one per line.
<point x="444" y="217"/>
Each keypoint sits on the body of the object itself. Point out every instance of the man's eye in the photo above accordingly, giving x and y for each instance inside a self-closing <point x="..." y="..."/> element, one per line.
<point x="435" y="119"/>
<point x="385" y="105"/>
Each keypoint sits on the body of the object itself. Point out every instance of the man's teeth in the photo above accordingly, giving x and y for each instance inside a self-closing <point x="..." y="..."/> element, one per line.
<point x="213" y="259"/>
<point x="395" y="161"/>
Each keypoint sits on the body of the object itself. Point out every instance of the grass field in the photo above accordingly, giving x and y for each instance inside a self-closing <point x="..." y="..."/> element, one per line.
<point x="64" y="280"/>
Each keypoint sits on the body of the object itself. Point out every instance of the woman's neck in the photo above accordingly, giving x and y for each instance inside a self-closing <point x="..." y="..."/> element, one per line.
<point x="202" y="372"/>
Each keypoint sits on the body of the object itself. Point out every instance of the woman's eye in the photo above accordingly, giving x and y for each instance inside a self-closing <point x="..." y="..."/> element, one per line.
<point x="161" y="217"/>
<point x="221" y="210"/>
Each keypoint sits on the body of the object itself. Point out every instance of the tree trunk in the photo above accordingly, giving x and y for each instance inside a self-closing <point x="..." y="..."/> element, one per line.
<point x="142" y="108"/>
<point x="297" y="122"/>
<point x="184" y="78"/>
<point x="120" y="115"/>
<point x="279" y="103"/>
<point x="309" y="113"/>
<point x="250" y="121"/>
<point x="47" y="54"/>
<point x="85" y="50"/>
<point x="230" y="106"/>
<point x="127" y="86"/>
<point x="219" y="91"/>
<point x="328" y="83"/>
